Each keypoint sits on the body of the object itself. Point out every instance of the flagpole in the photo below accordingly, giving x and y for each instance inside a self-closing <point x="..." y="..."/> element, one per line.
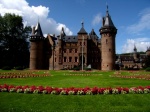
<point x="82" y="50"/>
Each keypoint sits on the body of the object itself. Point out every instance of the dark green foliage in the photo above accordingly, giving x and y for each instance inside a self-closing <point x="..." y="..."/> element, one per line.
<point x="14" y="48"/>
<point x="87" y="69"/>
<point x="147" y="62"/>
<point x="6" y="68"/>
<point x="147" y="69"/>
<point x="18" y="68"/>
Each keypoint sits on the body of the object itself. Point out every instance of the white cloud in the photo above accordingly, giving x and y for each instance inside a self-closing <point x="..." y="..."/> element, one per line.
<point x="142" y="24"/>
<point x="140" y="43"/>
<point x="96" y="20"/>
<point x="31" y="14"/>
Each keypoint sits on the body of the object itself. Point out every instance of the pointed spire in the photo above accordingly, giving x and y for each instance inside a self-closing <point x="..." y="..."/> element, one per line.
<point x="82" y="23"/>
<point x="106" y="7"/>
<point x="82" y="30"/>
<point x="92" y="32"/>
<point x="38" y="31"/>
<point x="135" y="49"/>
<point x="62" y="33"/>
<point x="107" y="23"/>
<point x="107" y="20"/>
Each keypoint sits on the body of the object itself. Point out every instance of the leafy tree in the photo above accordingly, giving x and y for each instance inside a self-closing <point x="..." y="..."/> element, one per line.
<point x="147" y="62"/>
<point x="13" y="41"/>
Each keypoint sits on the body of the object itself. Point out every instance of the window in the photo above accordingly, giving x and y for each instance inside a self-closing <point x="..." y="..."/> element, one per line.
<point x="84" y="43"/>
<point x="106" y="41"/>
<point x="59" y="50"/>
<point x="65" y="59"/>
<point x="75" y="50"/>
<point x="76" y="59"/>
<point x="59" y="59"/>
<point x="64" y="50"/>
<point x="80" y="43"/>
<point x="70" y="50"/>
<point x="70" y="59"/>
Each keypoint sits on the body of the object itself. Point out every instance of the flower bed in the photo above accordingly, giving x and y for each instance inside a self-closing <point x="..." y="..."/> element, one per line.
<point x="133" y="76"/>
<point x="22" y="75"/>
<point x="82" y="74"/>
<point x="73" y="90"/>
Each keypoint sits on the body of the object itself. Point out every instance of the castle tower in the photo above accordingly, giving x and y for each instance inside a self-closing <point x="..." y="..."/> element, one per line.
<point x="135" y="53"/>
<point x="108" y="33"/>
<point x="36" y="48"/>
<point x="82" y="45"/>
<point x="59" y="50"/>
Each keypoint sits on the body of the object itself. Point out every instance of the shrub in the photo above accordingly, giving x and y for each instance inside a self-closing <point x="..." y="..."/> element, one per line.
<point x="147" y="69"/>
<point x="19" y="68"/>
<point x="6" y="68"/>
<point x="87" y="69"/>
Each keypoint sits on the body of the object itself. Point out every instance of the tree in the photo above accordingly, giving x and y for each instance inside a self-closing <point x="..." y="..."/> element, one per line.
<point x="14" y="43"/>
<point x="147" y="62"/>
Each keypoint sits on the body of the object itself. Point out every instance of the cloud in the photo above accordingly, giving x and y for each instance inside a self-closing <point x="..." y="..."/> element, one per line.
<point x="140" y="43"/>
<point x="31" y="14"/>
<point x="96" y="20"/>
<point x="142" y="24"/>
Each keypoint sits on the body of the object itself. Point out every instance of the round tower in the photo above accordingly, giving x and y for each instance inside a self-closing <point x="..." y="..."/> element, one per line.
<point x="36" y="48"/>
<point x="108" y="33"/>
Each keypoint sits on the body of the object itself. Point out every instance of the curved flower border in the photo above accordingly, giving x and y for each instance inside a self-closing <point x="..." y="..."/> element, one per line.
<point x="74" y="91"/>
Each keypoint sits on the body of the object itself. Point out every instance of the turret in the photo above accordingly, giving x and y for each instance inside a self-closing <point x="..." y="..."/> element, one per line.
<point x="36" y="48"/>
<point x="108" y="33"/>
<point x="135" y="54"/>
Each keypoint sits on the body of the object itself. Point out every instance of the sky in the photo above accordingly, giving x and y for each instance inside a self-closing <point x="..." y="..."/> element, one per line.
<point x="131" y="18"/>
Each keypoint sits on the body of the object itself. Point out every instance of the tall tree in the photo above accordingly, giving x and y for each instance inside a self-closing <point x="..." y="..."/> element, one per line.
<point x="13" y="41"/>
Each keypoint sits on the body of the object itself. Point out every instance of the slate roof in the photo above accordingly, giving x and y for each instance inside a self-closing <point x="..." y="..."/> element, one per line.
<point x="107" y="22"/>
<point x="82" y="30"/>
<point x="92" y="35"/>
<point x="38" y="31"/>
<point x="70" y="38"/>
<point x="148" y="48"/>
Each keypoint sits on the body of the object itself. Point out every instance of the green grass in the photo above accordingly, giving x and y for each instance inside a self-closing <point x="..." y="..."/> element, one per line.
<point x="59" y="103"/>
<point x="64" y="79"/>
<point x="19" y="102"/>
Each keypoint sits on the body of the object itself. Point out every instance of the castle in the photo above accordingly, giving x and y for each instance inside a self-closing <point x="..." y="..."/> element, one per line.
<point x="133" y="60"/>
<point x="83" y="49"/>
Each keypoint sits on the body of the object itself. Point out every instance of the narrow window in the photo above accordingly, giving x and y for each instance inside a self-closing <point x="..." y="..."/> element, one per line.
<point x="65" y="59"/>
<point x="75" y="50"/>
<point x="64" y="50"/>
<point x="70" y="59"/>
<point x="106" y="41"/>
<point x="76" y="59"/>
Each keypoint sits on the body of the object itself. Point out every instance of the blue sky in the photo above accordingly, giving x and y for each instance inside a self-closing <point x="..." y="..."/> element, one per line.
<point x="131" y="18"/>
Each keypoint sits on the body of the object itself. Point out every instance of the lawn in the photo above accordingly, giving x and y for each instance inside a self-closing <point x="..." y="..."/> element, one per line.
<point x="19" y="102"/>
